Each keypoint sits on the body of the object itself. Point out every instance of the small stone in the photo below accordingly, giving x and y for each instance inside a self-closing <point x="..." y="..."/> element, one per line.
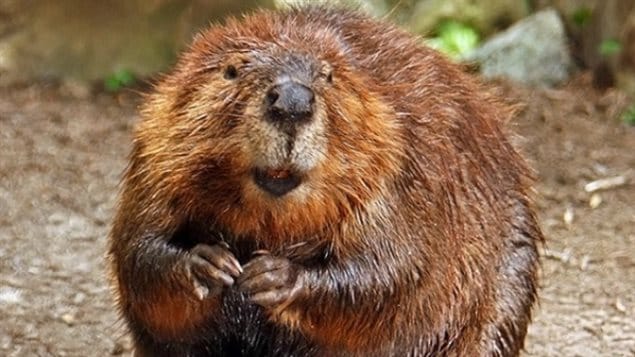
<point x="568" y="216"/>
<point x="68" y="319"/>
<point x="595" y="200"/>
<point x="57" y="218"/>
<point x="619" y="305"/>
<point x="584" y="262"/>
<point x="10" y="296"/>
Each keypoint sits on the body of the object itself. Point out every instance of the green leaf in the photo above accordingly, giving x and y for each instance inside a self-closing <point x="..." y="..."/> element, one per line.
<point x="629" y="116"/>
<point x="582" y="16"/>
<point x="118" y="80"/>
<point x="455" y="39"/>
<point x="610" y="47"/>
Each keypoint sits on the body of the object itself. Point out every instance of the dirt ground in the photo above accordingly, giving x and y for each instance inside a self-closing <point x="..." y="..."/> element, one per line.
<point x="61" y="156"/>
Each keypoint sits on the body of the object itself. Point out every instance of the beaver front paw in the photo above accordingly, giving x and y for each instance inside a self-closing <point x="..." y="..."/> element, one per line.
<point x="210" y="268"/>
<point x="272" y="282"/>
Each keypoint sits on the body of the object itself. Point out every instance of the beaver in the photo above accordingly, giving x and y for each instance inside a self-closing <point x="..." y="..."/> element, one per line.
<point x="314" y="182"/>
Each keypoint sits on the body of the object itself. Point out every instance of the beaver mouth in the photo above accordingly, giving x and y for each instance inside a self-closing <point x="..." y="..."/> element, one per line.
<point x="277" y="182"/>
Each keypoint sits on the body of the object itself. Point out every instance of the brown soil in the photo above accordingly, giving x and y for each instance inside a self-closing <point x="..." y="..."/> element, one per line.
<point x="61" y="157"/>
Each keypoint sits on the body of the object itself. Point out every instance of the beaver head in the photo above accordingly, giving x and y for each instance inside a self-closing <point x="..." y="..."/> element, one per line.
<point x="269" y="127"/>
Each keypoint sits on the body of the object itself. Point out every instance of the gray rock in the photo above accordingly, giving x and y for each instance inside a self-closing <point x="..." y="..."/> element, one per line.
<point x="533" y="51"/>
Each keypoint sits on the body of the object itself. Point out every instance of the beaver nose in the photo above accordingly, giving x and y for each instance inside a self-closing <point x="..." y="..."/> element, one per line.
<point x="289" y="102"/>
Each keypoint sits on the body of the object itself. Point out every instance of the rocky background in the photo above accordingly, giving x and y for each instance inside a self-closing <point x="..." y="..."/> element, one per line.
<point x="532" y="41"/>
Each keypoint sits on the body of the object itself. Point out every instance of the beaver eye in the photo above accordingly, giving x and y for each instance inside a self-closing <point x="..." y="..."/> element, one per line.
<point x="329" y="77"/>
<point x="231" y="72"/>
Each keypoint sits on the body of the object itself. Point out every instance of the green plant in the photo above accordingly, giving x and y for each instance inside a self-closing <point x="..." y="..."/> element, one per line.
<point x="455" y="39"/>
<point x="629" y="115"/>
<point x="582" y="16"/>
<point x="610" y="47"/>
<point x="119" y="80"/>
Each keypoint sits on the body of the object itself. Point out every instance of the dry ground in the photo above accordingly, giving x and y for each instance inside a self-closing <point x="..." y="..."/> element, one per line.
<point x="61" y="156"/>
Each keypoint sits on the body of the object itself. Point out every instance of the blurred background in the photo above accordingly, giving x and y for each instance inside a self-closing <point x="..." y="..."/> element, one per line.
<point x="84" y="41"/>
<point x="71" y="73"/>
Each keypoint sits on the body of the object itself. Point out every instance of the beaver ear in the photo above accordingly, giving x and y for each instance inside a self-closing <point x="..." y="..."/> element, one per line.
<point x="326" y="71"/>
<point x="234" y="63"/>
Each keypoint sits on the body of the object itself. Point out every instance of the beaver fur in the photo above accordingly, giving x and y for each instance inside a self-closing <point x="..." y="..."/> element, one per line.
<point x="318" y="183"/>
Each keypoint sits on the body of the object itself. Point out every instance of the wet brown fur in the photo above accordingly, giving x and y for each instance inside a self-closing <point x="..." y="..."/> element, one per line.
<point x="416" y="230"/>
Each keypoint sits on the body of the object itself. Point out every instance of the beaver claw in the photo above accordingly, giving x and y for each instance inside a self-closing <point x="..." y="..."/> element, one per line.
<point x="271" y="282"/>
<point x="209" y="268"/>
